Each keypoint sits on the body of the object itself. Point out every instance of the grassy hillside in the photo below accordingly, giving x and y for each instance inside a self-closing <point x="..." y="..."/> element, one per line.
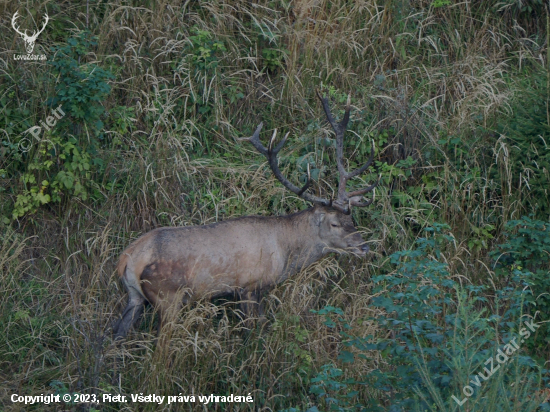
<point x="154" y="96"/>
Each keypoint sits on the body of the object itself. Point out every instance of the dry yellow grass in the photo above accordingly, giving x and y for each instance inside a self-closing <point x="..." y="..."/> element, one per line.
<point x="419" y="71"/>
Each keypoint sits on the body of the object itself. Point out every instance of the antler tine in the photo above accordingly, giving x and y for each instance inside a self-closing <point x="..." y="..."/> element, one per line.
<point x="326" y="108"/>
<point x="281" y="143"/>
<point x="255" y="140"/>
<point x="339" y="128"/>
<point x="360" y="170"/>
<point x="363" y="191"/>
<point x="345" y="119"/>
<point x="271" y="154"/>
<point x="361" y="204"/>
<point x="308" y="183"/>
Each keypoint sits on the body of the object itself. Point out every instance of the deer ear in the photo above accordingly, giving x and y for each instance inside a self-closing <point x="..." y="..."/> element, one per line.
<point x="355" y="199"/>
<point x="318" y="218"/>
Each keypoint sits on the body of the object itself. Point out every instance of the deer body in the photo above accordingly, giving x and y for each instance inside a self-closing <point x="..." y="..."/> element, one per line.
<point x="244" y="256"/>
<point x="241" y="256"/>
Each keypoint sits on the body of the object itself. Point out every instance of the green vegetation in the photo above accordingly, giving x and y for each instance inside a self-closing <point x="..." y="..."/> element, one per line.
<point x="455" y="96"/>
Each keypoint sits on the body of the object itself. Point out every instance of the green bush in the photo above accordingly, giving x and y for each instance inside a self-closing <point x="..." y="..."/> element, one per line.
<point x="442" y="337"/>
<point x="526" y="254"/>
<point x="66" y="160"/>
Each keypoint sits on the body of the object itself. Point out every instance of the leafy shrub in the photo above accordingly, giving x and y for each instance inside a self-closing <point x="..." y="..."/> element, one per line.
<point x="66" y="157"/>
<point x="81" y="88"/>
<point x="203" y="55"/>
<point x="526" y="253"/>
<point x="440" y="340"/>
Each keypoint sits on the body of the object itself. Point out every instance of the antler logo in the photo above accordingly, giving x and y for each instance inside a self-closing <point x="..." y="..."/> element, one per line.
<point x="29" y="40"/>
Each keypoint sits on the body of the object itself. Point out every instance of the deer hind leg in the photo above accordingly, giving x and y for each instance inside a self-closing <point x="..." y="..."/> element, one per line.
<point x="130" y="315"/>
<point x="134" y="309"/>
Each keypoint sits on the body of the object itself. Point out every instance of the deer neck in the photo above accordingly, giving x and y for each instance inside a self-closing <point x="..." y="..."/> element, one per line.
<point x="303" y="245"/>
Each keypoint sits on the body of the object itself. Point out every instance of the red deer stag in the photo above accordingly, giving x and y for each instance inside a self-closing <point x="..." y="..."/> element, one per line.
<point x="247" y="255"/>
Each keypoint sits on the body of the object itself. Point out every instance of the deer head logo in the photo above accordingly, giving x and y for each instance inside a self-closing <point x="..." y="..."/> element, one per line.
<point x="29" y="40"/>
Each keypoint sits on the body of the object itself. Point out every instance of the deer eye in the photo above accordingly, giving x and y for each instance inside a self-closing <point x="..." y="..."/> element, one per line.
<point x="335" y="225"/>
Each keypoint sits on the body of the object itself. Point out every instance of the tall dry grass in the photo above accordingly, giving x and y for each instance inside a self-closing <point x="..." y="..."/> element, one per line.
<point x="423" y="73"/>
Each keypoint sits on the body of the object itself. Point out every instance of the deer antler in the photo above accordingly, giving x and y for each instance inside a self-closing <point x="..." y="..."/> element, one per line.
<point x="13" y="19"/>
<point x="345" y="199"/>
<point x="271" y="153"/>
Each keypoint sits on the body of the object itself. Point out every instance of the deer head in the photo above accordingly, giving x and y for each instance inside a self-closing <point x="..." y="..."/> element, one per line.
<point x="344" y="200"/>
<point x="29" y="40"/>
